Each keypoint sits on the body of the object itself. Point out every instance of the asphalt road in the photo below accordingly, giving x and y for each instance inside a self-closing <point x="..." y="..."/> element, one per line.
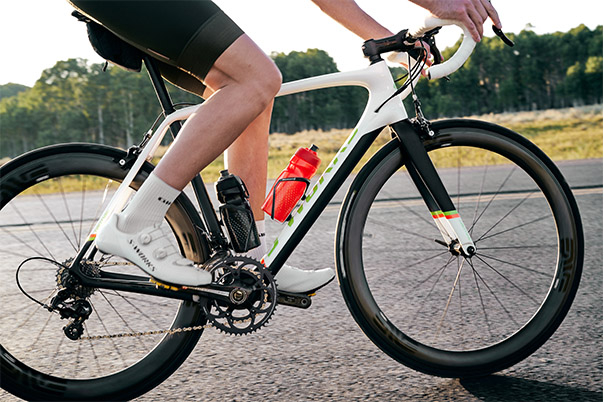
<point x="321" y="354"/>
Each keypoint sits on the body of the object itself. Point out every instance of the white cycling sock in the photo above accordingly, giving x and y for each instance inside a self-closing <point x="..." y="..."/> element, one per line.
<point x="259" y="252"/>
<point x="148" y="206"/>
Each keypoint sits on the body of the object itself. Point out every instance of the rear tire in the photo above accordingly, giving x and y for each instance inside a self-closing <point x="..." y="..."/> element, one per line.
<point x="444" y="314"/>
<point x="41" y="214"/>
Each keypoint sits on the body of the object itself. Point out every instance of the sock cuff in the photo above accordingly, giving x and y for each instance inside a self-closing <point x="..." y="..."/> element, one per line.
<point x="261" y="227"/>
<point x="155" y="185"/>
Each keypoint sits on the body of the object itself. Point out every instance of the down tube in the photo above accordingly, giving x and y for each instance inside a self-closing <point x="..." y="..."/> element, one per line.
<point x="311" y="208"/>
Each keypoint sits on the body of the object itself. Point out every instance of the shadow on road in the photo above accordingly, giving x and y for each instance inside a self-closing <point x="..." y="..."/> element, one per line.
<point x="501" y="388"/>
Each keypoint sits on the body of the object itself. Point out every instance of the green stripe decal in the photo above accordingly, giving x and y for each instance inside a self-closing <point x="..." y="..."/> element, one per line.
<point x="451" y="214"/>
<point x="353" y="134"/>
<point x="274" y="247"/>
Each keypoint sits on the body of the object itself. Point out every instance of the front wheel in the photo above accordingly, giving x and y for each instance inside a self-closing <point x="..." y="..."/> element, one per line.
<point x="442" y="313"/>
<point x="49" y="201"/>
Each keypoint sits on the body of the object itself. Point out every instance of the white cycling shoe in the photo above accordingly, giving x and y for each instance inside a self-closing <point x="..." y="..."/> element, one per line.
<point x="294" y="280"/>
<point x="151" y="250"/>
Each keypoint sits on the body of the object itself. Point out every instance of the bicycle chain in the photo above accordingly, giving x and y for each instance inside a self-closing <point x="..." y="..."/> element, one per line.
<point x="167" y="331"/>
<point x="138" y="334"/>
<point x="156" y="332"/>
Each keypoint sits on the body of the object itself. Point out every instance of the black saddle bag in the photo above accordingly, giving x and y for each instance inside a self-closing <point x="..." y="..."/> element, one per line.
<point x="111" y="47"/>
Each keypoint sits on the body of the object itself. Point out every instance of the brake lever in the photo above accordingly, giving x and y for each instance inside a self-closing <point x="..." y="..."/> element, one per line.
<point x="502" y="36"/>
<point x="438" y="57"/>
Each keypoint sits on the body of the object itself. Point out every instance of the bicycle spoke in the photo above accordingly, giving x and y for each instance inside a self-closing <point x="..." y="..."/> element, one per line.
<point x="108" y="333"/>
<point x="508" y="280"/>
<point x="449" y="299"/>
<point x="55" y="357"/>
<point x="120" y="317"/>
<point x="483" y="181"/>
<point x="40" y="332"/>
<point x="440" y="272"/>
<point x="422" y="217"/>
<point x="519" y="247"/>
<point x="141" y="312"/>
<point x="56" y="221"/>
<point x="60" y="181"/>
<point x="461" y="316"/>
<point x="496" y="298"/>
<point x="493" y="197"/>
<point x="484" y="310"/>
<point x="16" y="255"/>
<point x="82" y="213"/>
<point x="434" y="273"/>
<point x="96" y="358"/>
<point x="398" y="229"/>
<point x="504" y="216"/>
<point x="97" y="213"/>
<point x="513" y="264"/>
<point x="515" y="227"/>
<point x="26" y="244"/>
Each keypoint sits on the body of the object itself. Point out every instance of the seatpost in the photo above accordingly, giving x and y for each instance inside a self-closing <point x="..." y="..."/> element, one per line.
<point x="199" y="188"/>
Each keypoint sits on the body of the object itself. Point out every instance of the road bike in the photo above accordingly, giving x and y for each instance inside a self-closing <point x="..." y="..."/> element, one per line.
<point x="458" y="248"/>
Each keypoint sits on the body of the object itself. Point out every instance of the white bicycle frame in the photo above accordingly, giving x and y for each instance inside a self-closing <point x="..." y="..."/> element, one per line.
<point x="380" y="85"/>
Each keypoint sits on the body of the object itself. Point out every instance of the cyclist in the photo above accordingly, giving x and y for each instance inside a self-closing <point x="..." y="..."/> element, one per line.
<point x="203" y="51"/>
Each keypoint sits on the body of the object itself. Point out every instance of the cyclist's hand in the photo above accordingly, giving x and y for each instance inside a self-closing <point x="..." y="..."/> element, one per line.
<point x="472" y="13"/>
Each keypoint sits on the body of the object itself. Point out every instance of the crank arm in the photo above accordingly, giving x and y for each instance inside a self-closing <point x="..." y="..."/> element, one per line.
<point x="294" y="299"/>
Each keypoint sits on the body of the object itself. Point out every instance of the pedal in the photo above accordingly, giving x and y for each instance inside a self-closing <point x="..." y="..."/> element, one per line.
<point x="293" y="299"/>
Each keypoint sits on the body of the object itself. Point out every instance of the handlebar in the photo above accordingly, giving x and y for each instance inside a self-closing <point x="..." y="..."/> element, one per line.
<point x="461" y="55"/>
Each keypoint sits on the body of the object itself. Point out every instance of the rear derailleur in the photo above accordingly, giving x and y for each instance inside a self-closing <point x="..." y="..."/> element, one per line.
<point x="77" y="311"/>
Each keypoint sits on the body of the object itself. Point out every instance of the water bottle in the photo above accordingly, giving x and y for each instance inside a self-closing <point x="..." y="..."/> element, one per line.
<point x="292" y="183"/>
<point x="236" y="212"/>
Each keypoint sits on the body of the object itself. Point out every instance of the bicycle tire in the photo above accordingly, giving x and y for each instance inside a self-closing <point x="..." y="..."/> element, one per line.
<point x="53" y="367"/>
<point x="419" y="305"/>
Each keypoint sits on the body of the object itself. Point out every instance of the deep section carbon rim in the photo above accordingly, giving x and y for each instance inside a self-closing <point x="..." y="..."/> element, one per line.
<point x="442" y="313"/>
<point x="49" y="206"/>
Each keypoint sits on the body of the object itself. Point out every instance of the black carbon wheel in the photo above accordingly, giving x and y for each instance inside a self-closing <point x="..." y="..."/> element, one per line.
<point x="442" y="313"/>
<point x="50" y="198"/>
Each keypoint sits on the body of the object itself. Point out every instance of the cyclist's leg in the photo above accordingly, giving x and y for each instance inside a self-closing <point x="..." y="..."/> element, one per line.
<point x="246" y="81"/>
<point x="237" y="102"/>
<point x="247" y="158"/>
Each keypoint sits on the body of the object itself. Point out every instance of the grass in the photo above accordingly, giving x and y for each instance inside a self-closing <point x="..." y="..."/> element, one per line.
<point x="563" y="134"/>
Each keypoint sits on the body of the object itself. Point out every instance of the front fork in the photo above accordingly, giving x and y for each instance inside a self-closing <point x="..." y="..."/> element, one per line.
<point x="432" y="190"/>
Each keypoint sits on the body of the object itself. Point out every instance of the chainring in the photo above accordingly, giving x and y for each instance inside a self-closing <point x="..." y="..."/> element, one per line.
<point x="252" y="300"/>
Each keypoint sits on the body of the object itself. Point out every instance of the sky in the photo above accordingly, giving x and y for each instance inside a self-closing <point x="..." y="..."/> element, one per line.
<point x="34" y="34"/>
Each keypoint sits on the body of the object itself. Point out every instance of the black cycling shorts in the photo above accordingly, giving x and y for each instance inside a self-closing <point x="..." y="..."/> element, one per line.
<point x="187" y="37"/>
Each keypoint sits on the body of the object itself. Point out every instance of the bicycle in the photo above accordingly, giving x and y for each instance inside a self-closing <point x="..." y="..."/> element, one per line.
<point x="471" y="301"/>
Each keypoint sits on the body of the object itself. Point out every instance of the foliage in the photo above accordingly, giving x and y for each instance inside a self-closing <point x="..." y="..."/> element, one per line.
<point x="541" y="72"/>
<point x="322" y="109"/>
<point x="77" y="101"/>
<point x="10" y="89"/>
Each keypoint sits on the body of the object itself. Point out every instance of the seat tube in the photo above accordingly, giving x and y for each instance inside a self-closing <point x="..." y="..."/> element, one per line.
<point x="431" y="188"/>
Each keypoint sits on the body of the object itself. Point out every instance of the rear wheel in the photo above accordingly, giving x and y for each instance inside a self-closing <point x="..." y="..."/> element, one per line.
<point x="50" y="198"/>
<point x="442" y="313"/>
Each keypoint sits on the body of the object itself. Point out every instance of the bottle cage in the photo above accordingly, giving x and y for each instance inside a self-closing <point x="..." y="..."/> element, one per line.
<point x="302" y="179"/>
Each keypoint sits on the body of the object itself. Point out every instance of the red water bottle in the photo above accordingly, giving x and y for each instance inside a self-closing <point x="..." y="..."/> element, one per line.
<point x="292" y="183"/>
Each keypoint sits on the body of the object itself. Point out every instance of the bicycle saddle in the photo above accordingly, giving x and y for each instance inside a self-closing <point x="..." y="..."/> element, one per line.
<point x="110" y="47"/>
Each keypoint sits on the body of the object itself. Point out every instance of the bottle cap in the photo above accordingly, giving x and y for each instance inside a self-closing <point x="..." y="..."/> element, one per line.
<point x="309" y="155"/>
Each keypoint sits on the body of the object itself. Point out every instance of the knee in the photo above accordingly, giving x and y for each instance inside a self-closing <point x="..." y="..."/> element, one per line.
<point x="267" y="84"/>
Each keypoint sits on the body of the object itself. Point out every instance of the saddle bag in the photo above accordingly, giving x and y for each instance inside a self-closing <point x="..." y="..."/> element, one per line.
<point x="111" y="47"/>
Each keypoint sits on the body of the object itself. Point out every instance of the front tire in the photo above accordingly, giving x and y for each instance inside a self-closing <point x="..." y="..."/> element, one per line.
<point x="441" y="313"/>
